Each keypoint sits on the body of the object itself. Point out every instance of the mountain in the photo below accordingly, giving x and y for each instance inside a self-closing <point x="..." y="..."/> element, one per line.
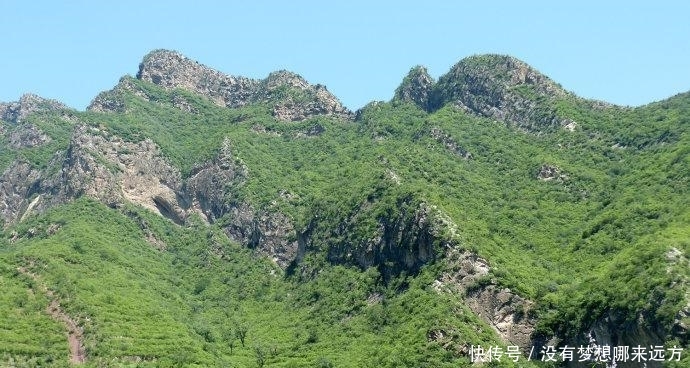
<point x="193" y="218"/>
<point x="290" y="97"/>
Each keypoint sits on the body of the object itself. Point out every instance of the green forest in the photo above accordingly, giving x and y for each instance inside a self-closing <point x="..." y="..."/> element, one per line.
<point x="587" y="224"/>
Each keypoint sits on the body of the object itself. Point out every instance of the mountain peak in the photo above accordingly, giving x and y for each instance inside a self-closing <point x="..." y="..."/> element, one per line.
<point x="504" y="71"/>
<point x="291" y="96"/>
<point x="501" y="87"/>
<point x="494" y="86"/>
<point x="416" y="87"/>
<point x="170" y="69"/>
<point x="16" y="112"/>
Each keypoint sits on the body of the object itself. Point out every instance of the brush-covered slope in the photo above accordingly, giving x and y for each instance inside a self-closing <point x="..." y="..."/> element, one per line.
<point x="191" y="218"/>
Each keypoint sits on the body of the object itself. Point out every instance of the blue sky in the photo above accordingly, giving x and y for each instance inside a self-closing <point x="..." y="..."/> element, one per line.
<point x="628" y="53"/>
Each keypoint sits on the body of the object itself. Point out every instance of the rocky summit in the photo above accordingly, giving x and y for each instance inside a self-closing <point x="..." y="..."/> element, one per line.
<point x="290" y="97"/>
<point x="191" y="218"/>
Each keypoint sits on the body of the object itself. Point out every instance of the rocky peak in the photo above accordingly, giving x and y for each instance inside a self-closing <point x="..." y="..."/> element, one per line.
<point x="416" y="87"/>
<point x="285" y="79"/>
<point x="113" y="100"/>
<point x="503" y="88"/>
<point x="16" y="112"/>
<point x="294" y="99"/>
<point x="291" y="96"/>
<point x="170" y="69"/>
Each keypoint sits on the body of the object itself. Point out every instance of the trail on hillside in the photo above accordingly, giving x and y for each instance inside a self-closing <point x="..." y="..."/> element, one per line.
<point x="75" y="335"/>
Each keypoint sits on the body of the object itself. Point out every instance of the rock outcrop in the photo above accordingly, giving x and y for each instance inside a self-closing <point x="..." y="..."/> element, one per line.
<point x="98" y="165"/>
<point x="416" y="88"/>
<point x="550" y="172"/>
<point x="26" y="136"/>
<point x="614" y="330"/>
<point x="493" y="86"/>
<point x="102" y="166"/>
<point x="289" y="96"/>
<point x="449" y="143"/>
<point x="402" y="241"/>
<point x="16" y="112"/>
<point x="18" y="184"/>
<point x="501" y="88"/>
<point x="505" y="311"/>
<point x="170" y="70"/>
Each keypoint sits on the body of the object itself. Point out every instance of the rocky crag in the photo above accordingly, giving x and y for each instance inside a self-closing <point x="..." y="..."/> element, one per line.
<point x="289" y="96"/>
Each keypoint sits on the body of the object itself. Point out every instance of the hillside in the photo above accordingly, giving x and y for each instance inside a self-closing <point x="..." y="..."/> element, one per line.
<point x="193" y="218"/>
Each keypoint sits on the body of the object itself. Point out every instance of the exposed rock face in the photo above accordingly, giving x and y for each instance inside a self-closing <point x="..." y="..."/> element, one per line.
<point x="447" y="141"/>
<point x="550" y="172"/>
<point x="289" y="95"/>
<point x="502" y="88"/>
<point x="209" y="185"/>
<point x="102" y="166"/>
<point x="416" y="88"/>
<point x="97" y="165"/>
<point x="613" y="330"/>
<point x="18" y="184"/>
<point x="402" y="242"/>
<point x="501" y="308"/>
<point x="170" y="70"/>
<point x="294" y="99"/>
<point x="27" y="136"/>
<point x="270" y="233"/>
<point x="16" y="112"/>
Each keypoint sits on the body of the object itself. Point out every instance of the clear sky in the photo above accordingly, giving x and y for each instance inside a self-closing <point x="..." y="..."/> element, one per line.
<point x="625" y="52"/>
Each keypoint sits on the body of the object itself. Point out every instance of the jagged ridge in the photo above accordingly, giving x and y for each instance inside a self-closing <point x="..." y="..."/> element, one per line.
<point x="290" y="96"/>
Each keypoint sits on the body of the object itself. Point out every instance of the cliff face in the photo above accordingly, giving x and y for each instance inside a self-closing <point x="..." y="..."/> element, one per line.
<point x="96" y="164"/>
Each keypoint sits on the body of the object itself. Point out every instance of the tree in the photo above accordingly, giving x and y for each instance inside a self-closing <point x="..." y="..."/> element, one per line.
<point x="241" y="332"/>
<point x="260" y="354"/>
<point x="231" y="344"/>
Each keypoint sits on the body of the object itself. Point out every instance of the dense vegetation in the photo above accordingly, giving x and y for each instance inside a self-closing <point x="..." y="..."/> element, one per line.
<point x="597" y="239"/>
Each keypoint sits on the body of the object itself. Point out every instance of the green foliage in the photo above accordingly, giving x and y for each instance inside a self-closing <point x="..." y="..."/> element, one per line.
<point x="596" y="240"/>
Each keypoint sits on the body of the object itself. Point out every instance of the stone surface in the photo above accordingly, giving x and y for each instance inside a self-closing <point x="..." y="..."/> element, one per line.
<point x="16" y="112"/>
<point x="290" y="97"/>
<point x="26" y="136"/>
<point x="416" y="88"/>
<point x="449" y="143"/>
<point x="505" y="311"/>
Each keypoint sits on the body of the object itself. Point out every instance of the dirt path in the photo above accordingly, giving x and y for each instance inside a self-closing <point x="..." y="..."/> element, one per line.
<point x="75" y="335"/>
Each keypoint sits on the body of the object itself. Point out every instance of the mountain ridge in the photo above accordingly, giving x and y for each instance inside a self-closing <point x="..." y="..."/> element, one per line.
<point x="424" y="226"/>
<point x="171" y="69"/>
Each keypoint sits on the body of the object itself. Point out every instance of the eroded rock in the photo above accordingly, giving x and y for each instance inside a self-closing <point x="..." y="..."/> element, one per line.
<point x="290" y="96"/>
<point x="16" y="112"/>
<point x="416" y="88"/>
<point x="505" y="311"/>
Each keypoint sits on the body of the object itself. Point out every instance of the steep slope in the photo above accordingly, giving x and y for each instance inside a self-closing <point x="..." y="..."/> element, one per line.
<point x="416" y="88"/>
<point x="187" y="206"/>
